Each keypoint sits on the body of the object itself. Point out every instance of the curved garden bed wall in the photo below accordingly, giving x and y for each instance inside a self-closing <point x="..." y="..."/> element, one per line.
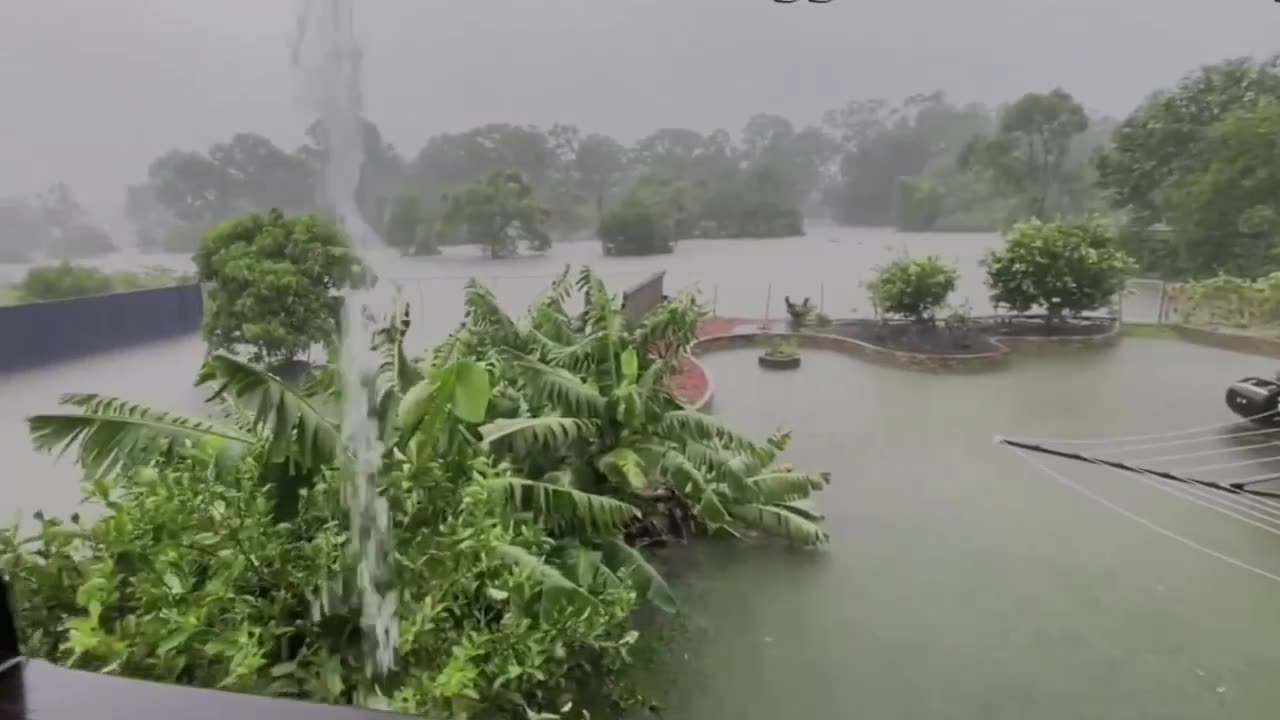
<point x="693" y="385"/>
<point x="1234" y="341"/>
<point x="972" y="362"/>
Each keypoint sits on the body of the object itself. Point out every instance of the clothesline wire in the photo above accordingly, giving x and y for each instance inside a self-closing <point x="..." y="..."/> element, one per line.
<point x="1069" y="483"/>
<point x="1201" y="453"/>
<point x="1164" y="443"/>
<point x="1155" y="436"/>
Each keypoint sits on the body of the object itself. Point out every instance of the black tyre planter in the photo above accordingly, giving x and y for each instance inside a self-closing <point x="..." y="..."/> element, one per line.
<point x="779" y="362"/>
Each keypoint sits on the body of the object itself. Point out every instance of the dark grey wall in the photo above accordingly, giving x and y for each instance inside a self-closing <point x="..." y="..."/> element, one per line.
<point x="43" y="333"/>
<point x="643" y="297"/>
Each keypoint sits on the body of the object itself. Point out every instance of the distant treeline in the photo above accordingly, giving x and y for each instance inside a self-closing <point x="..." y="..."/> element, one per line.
<point x="1185" y="176"/>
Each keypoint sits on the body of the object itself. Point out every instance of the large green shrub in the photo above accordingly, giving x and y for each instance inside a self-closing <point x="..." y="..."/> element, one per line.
<point x="66" y="280"/>
<point x="919" y="204"/>
<point x="913" y="287"/>
<point x="62" y="281"/>
<point x="411" y="226"/>
<point x="497" y="212"/>
<point x="636" y="227"/>
<point x="524" y="464"/>
<point x="273" y="284"/>
<point x="1064" y="268"/>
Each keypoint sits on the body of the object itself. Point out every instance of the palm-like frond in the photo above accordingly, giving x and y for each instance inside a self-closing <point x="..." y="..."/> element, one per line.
<point x="395" y="366"/>
<point x="698" y="426"/>
<point x="485" y="317"/>
<point x="601" y="316"/>
<point x="706" y="457"/>
<point x="648" y="582"/>
<point x="625" y="468"/>
<point x="548" y="316"/>
<point x="586" y="566"/>
<point x="777" y="487"/>
<point x="686" y="477"/>
<point x="459" y="389"/>
<point x="778" y="522"/>
<point x="560" y="388"/>
<point x="295" y="427"/>
<point x="578" y="356"/>
<point x="559" y="506"/>
<point x="544" y="434"/>
<point x="550" y="579"/>
<point x="111" y="432"/>
<point x="801" y="512"/>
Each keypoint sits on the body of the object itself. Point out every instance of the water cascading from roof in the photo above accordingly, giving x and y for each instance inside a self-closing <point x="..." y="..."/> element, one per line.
<point x="326" y="61"/>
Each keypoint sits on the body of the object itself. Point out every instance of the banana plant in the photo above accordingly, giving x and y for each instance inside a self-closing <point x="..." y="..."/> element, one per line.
<point x="597" y="415"/>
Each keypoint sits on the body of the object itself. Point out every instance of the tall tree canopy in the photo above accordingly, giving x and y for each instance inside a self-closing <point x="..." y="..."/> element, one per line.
<point x="1028" y="153"/>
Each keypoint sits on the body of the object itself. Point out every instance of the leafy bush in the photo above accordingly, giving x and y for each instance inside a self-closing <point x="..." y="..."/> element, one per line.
<point x="783" y="348"/>
<point x="410" y="227"/>
<point x="65" y="280"/>
<point x="913" y="288"/>
<point x="1062" y="267"/>
<point x="1227" y="300"/>
<point x="636" y="227"/>
<point x="919" y="204"/>
<point x="274" y="284"/>
<point x="191" y="579"/>
<point x="524" y="463"/>
<point x="498" y="212"/>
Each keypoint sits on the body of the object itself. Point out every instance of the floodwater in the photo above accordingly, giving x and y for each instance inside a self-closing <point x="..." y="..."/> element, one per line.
<point x="738" y="277"/>
<point x="961" y="582"/>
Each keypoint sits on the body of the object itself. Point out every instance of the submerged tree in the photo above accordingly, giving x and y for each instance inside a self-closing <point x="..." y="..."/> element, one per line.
<point x="498" y="212"/>
<point x="1027" y="155"/>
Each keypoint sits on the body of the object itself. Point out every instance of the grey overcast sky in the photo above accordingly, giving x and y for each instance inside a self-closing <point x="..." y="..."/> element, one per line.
<point x="91" y="90"/>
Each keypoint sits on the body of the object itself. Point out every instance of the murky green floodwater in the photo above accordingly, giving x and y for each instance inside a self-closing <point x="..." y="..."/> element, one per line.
<point x="960" y="582"/>
<point x="963" y="583"/>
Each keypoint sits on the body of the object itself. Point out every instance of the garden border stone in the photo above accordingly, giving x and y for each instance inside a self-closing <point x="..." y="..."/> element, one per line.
<point x="920" y="362"/>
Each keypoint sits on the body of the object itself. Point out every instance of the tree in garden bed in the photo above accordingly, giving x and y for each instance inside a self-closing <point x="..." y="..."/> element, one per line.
<point x="1065" y="268"/>
<point x="914" y="288"/>
<point x="273" y="284"/>
<point x="524" y="462"/>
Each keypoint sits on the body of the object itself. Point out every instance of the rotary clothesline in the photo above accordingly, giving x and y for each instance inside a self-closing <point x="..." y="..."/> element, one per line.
<point x="1238" y="498"/>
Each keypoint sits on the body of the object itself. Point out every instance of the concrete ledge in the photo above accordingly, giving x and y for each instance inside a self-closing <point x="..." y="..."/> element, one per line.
<point x="920" y="362"/>
<point x="1037" y="343"/>
<point x="1236" y="342"/>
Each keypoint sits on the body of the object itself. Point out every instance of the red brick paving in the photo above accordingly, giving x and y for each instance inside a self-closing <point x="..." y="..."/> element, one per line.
<point x="691" y="382"/>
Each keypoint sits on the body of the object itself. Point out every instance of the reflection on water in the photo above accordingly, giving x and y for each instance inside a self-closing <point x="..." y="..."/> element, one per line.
<point x="960" y="582"/>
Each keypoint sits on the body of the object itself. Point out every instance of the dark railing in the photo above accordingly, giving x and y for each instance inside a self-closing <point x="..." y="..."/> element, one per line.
<point x="39" y="334"/>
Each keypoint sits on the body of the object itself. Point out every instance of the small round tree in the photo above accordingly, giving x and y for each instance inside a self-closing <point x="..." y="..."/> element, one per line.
<point x="273" y="284"/>
<point x="913" y="288"/>
<point x="1065" y="268"/>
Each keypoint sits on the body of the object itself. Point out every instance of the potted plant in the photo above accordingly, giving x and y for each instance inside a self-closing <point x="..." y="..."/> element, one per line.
<point x="799" y="313"/>
<point x="783" y="354"/>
